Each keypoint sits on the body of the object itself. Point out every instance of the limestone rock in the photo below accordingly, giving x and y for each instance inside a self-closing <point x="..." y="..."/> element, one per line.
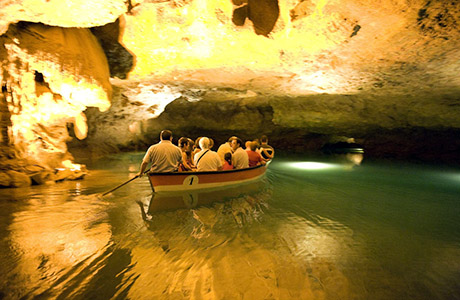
<point x="52" y="74"/>
<point x="61" y="13"/>
<point x="19" y="179"/>
<point x="301" y="70"/>
<point x="119" y="58"/>
<point x="263" y="14"/>
<point x="5" y="179"/>
<point x="42" y="177"/>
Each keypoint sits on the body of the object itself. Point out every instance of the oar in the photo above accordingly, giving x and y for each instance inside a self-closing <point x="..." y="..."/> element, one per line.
<point x="119" y="186"/>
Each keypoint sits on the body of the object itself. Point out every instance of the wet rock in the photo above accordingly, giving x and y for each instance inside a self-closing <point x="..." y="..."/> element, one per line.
<point x="5" y="180"/>
<point x="69" y="174"/>
<point x="19" y="179"/>
<point x="42" y="177"/>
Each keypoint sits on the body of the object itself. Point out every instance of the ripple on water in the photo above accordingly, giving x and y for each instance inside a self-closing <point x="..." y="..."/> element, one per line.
<point x="372" y="234"/>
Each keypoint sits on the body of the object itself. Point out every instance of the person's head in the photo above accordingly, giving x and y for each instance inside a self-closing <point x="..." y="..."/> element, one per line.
<point x="197" y="142"/>
<point x="228" y="157"/>
<point x="236" y="143"/>
<point x="183" y="142"/>
<point x="230" y="139"/>
<point x="204" y="143"/>
<point x="191" y="144"/>
<point x="166" y="135"/>
<point x="253" y="146"/>
<point x="264" y="139"/>
<point x="211" y="143"/>
<point x="257" y="141"/>
<point x="246" y="144"/>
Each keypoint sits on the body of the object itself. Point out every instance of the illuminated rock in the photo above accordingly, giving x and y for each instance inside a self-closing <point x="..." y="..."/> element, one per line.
<point x="51" y="76"/>
<point x="297" y="69"/>
<point x="5" y="180"/>
<point x="19" y="179"/>
<point x="42" y="177"/>
<point x="63" y="13"/>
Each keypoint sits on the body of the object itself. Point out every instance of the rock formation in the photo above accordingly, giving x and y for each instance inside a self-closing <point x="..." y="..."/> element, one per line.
<point x="385" y="73"/>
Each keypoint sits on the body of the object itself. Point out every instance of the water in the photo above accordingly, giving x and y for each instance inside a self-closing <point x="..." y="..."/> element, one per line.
<point x="307" y="231"/>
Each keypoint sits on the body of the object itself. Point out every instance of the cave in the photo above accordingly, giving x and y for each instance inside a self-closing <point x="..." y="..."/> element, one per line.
<point x="307" y="72"/>
<point x="369" y="89"/>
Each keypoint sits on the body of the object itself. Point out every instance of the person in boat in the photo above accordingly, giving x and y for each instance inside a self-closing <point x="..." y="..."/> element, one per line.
<point x="187" y="160"/>
<point x="206" y="159"/>
<point x="228" y="164"/>
<point x="196" y="147"/>
<point x="266" y="151"/>
<point x="240" y="157"/>
<point x="163" y="156"/>
<point x="225" y="148"/>
<point x="255" y="158"/>
<point x="246" y="145"/>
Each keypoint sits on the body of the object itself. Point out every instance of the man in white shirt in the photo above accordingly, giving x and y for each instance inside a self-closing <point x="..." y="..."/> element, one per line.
<point x="225" y="148"/>
<point x="164" y="156"/>
<point x="206" y="159"/>
<point x="240" y="157"/>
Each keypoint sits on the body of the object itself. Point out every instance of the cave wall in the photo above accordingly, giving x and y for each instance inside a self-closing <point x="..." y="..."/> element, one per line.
<point x="50" y="75"/>
<point x="387" y="128"/>
<point x="303" y="71"/>
<point x="61" y="13"/>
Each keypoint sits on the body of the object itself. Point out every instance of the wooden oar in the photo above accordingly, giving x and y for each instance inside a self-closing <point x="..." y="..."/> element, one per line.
<point x="119" y="186"/>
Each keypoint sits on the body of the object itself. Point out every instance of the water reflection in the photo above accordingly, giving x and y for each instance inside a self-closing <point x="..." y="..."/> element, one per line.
<point x="51" y="237"/>
<point x="300" y="233"/>
<point x="340" y="162"/>
<point x="232" y="244"/>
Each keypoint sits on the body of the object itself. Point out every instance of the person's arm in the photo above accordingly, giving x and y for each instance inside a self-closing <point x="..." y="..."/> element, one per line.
<point x="261" y="160"/>
<point x="221" y="166"/>
<point x="179" y="159"/>
<point x="145" y="161"/>
<point x="185" y="162"/>
<point x="267" y="154"/>
<point x="143" y="167"/>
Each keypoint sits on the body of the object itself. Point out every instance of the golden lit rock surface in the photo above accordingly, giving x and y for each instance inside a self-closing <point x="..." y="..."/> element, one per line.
<point x="50" y="76"/>
<point x="363" y="69"/>
<point x="63" y="13"/>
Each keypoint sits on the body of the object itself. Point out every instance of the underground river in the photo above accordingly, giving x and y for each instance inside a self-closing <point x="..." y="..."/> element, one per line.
<point x="308" y="230"/>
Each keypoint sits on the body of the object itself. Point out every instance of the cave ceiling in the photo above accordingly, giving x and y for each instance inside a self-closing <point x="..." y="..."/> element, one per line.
<point x="321" y="65"/>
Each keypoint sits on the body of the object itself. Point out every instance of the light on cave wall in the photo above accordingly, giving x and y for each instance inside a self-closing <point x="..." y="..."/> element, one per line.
<point x="153" y="96"/>
<point x="177" y="39"/>
<point x="200" y="35"/>
<point x="320" y="82"/>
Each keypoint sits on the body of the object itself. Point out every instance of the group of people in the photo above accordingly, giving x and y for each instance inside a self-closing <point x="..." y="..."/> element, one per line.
<point x="198" y="155"/>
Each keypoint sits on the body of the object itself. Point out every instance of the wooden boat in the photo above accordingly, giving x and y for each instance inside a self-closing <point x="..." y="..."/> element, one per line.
<point x="187" y="181"/>
<point x="166" y="201"/>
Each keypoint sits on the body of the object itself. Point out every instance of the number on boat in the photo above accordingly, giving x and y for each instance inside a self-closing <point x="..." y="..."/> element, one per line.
<point x="190" y="180"/>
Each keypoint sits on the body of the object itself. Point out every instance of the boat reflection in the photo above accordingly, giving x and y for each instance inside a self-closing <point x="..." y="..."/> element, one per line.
<point x="160" y="202"/>
<point x="163" y="201"/>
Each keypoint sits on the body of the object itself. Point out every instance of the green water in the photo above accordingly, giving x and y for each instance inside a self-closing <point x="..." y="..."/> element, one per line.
<point x="306" y="231"/>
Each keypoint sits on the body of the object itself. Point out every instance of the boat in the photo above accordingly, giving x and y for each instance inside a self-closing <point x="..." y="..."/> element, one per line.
<point x="171" y="201"/>
<point x="189" y="181"/>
